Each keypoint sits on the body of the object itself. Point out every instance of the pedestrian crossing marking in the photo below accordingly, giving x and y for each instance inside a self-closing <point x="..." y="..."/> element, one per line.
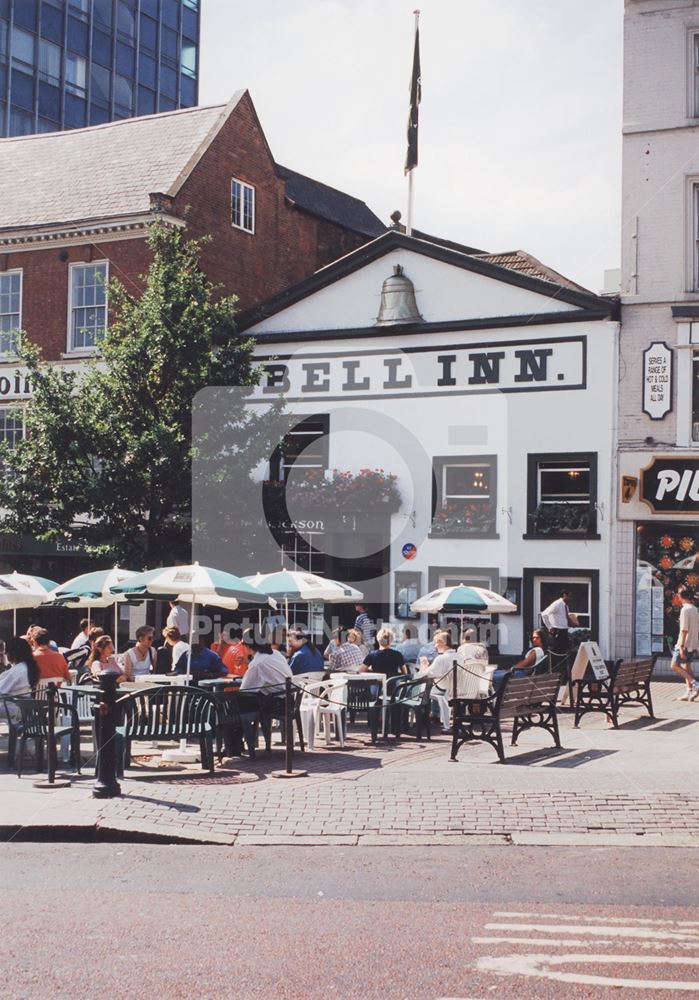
<point x="545" y="933"/>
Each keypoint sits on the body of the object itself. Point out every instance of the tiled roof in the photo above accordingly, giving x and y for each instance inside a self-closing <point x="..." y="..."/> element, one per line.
<point x="102" y="171"/>
<point x="330" y="204"/>
<point x="519" y="260"/>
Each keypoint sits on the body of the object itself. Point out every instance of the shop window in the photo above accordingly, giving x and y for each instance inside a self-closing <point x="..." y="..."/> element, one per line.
<point x="88" y="305"/>
<point x="464" y="495"/>
<point x="305" y="447"/>
<point x="561" y="496"/>
<point x="242" y="205"/>
<point x="667" y="557"/>
<point x="695" y="396"/>
<point x="10" y="311"/>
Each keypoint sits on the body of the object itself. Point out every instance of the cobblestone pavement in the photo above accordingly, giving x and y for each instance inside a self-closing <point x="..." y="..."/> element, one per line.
<point x="637" y="782"/>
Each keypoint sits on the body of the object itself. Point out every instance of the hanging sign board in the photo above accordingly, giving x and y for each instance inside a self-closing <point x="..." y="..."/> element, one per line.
<point x="657" y="380"/>
<point x="589" y="655"/>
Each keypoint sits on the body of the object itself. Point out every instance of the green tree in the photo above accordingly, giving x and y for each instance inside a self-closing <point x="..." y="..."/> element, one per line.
<point x="107" y="456"/>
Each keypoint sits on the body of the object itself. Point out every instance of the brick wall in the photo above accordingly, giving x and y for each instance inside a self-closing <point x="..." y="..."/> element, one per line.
<point x="45" y="279"/>
<point x="288" y="244"/>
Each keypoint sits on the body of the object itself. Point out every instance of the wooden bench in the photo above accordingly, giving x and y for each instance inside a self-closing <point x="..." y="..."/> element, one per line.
<point x="628" y="684"/>
<point x="530" y="702"/>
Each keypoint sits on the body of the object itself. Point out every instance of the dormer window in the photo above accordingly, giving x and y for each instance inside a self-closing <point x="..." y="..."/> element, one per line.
<point x="242" y="205"/>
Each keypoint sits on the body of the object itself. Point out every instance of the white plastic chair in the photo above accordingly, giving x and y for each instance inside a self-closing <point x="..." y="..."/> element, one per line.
<point x="330" y="711"/>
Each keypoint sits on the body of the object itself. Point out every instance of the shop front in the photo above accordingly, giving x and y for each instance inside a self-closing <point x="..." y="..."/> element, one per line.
<point x="660" y="495"/>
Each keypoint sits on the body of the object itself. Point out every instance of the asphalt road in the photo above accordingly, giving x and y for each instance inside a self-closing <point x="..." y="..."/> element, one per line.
<point x="140" y="921"/>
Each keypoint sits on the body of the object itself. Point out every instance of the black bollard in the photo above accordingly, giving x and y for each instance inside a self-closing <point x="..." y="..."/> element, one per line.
<point x="106" y="786"/>
<point x="51" y="748"/>
<point x="289" y="728"/>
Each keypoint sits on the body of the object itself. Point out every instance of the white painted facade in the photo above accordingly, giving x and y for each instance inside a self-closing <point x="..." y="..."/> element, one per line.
<point x="379" y="387"/>
<point x="660" y="306"/>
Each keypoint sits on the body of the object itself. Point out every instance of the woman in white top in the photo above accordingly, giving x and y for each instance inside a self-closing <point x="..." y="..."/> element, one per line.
<point x="141" y="659"/>
<point x="102" y="659"/>
<point x="535" y="661"/>
<point x="173" y="639"/>
<point x="22" y="675"/>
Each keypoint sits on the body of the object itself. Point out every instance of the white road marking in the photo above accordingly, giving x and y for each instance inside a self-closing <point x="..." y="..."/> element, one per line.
<point x="574" y="943"/>
<point x="541" y="967"/>
<point x="618" y="932"/>
<point x="597" y="920"/>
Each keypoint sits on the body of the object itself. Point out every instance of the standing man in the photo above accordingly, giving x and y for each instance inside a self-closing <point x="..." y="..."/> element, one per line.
<point x="687" y="644"/>
<point x="366" y="625"/>
<point x="178" y="618"/>
<point x="557" y="617"/>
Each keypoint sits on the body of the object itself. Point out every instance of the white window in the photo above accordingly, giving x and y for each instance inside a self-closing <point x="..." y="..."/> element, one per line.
<point x="88" y="305"/>
<point x="10" y="310"/>
<point x="11" y="425"/>
<point x="242" y="206"/>
<point x="695" y="75"/>
<point x="547" y="589"/>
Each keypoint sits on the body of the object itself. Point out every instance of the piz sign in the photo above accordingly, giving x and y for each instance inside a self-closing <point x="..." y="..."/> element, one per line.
<point x="671" y="485"/>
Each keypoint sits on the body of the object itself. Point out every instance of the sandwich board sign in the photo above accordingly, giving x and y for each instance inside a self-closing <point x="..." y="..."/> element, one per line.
<point x="589" y="655"/>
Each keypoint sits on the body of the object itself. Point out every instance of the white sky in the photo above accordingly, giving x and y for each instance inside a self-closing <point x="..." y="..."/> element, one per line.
<point x="520" y="118"/>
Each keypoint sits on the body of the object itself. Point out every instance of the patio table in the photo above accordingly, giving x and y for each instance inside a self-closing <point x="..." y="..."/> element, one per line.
<point x="367" y="676"/>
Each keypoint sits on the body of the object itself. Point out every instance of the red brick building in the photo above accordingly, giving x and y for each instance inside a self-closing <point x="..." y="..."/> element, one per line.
<point x="74" y="212"/>
<point x="74" y="207"/>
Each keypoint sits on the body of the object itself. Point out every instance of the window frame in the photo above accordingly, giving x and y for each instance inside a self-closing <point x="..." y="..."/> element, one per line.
<point x="8" y="355"/>
<point x="244" y="186"/>
<point x="280" y="470"/>
<point x="85" y="351"/>
<point x="534" y="461"/>
<point x="572" y="576"/>
<point x="440" y="463"/>
<point x="19" y="407"/>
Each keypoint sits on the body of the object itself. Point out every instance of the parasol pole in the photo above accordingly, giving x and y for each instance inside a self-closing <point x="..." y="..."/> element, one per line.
<point x="116" y="626"/>
<point x="14" y="621"/>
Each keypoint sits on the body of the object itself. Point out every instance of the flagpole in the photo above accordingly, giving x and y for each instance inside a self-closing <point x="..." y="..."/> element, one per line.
<point x="412" y="122"/>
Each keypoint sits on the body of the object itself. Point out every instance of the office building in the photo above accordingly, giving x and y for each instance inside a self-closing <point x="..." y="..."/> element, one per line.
<point x="66" y="64"/>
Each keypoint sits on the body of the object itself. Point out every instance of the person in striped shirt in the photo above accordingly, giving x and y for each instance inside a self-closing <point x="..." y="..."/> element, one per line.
<point x="366" y="625"/>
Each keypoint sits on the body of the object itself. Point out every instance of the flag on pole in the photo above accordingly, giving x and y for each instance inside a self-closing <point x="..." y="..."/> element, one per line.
<point x="415" y="96"/>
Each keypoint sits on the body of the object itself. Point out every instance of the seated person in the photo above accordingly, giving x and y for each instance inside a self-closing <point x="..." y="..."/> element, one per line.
<point x="384" y="660"/>
<point x="268" y="669"/>
<point x="346" y="653"/>
<point x="410" y="645"/>
<point x="474" y="656"/>
<point x="20" y="677"/>
<point x="51" y="662"/>
<point x="175" y="644"/>
<point x="204" y="663"/>
<point x="441" y="670"/>
<point x="103" y="661"/>
<point x="81" y="638"/>
<point x="237" y="654"/>
<point x="304" y="658"/>
<point x="535" y="660"/>
<point x="141" y="659"/>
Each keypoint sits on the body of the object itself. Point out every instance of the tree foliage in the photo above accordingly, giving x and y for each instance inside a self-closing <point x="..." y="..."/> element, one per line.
<point x="107" y="456"/>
